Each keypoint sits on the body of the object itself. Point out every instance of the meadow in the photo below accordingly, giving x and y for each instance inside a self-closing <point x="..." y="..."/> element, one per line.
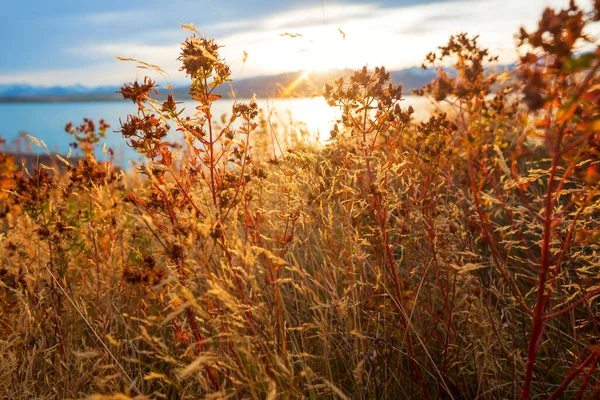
<point x="454" y="257"/>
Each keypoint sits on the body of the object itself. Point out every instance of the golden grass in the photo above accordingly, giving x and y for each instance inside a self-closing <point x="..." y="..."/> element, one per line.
<point x="450" y="258"/>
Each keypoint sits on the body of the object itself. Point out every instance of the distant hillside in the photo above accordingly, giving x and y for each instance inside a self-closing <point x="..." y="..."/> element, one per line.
<point x="300" y="84"/>
<point x="293" y="84"/>
<point x="24" y="92"/>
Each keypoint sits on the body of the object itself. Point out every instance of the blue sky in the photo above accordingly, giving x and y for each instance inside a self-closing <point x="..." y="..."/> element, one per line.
<point x="65" y="42"/>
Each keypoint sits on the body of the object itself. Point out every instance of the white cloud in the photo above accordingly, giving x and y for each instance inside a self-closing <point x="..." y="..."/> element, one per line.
<point x="109" y="73"/>
<point x="312" y="16"/>
<point x="112" y="17"/>
<point x="394" y="37"/>
<point x="146" y="52"/>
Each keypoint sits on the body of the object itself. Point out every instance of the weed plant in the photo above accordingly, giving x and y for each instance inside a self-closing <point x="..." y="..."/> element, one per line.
<point x="455" y="257"/>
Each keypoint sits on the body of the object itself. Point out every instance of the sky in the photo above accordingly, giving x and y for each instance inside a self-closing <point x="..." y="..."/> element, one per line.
<point x="68" y="42"/>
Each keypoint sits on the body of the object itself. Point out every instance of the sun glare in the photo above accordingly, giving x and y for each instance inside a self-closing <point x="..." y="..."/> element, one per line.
<point x="312" y="114"/>
<point x="315" y="115"/>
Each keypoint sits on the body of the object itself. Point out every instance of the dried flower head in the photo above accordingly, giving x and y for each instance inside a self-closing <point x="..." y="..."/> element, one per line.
<point x="138" y="93"/>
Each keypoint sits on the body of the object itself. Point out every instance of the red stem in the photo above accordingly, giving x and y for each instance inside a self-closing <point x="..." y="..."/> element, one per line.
<point x="572" y="375"/>
<point x="537" y="329"/>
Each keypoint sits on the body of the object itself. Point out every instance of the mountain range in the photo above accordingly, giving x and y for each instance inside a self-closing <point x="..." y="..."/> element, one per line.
<point x="293" y="84"/>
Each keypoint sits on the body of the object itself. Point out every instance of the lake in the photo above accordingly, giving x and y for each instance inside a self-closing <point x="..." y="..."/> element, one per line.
<point x="46" y="121"/>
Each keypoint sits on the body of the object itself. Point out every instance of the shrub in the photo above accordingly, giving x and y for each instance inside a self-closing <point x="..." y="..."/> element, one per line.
<point x="453" y="257"/>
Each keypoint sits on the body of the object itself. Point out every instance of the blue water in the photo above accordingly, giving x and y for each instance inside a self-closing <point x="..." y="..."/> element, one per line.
<point x="46" y="121"/>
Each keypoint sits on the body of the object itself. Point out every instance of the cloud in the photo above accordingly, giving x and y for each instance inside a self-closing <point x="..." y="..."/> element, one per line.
<point x="395" y="34"/>
<point x="395" y="37"/>
<point x="307" y="17"/>
<point x="229" y="26"/>
<point x="100" y="74"/>
<point x="150" y="53"/>
<point x="114" y="17"/>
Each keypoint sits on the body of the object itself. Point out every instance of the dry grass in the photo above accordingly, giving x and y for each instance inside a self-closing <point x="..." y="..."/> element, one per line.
<point x="451" y="258"/>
